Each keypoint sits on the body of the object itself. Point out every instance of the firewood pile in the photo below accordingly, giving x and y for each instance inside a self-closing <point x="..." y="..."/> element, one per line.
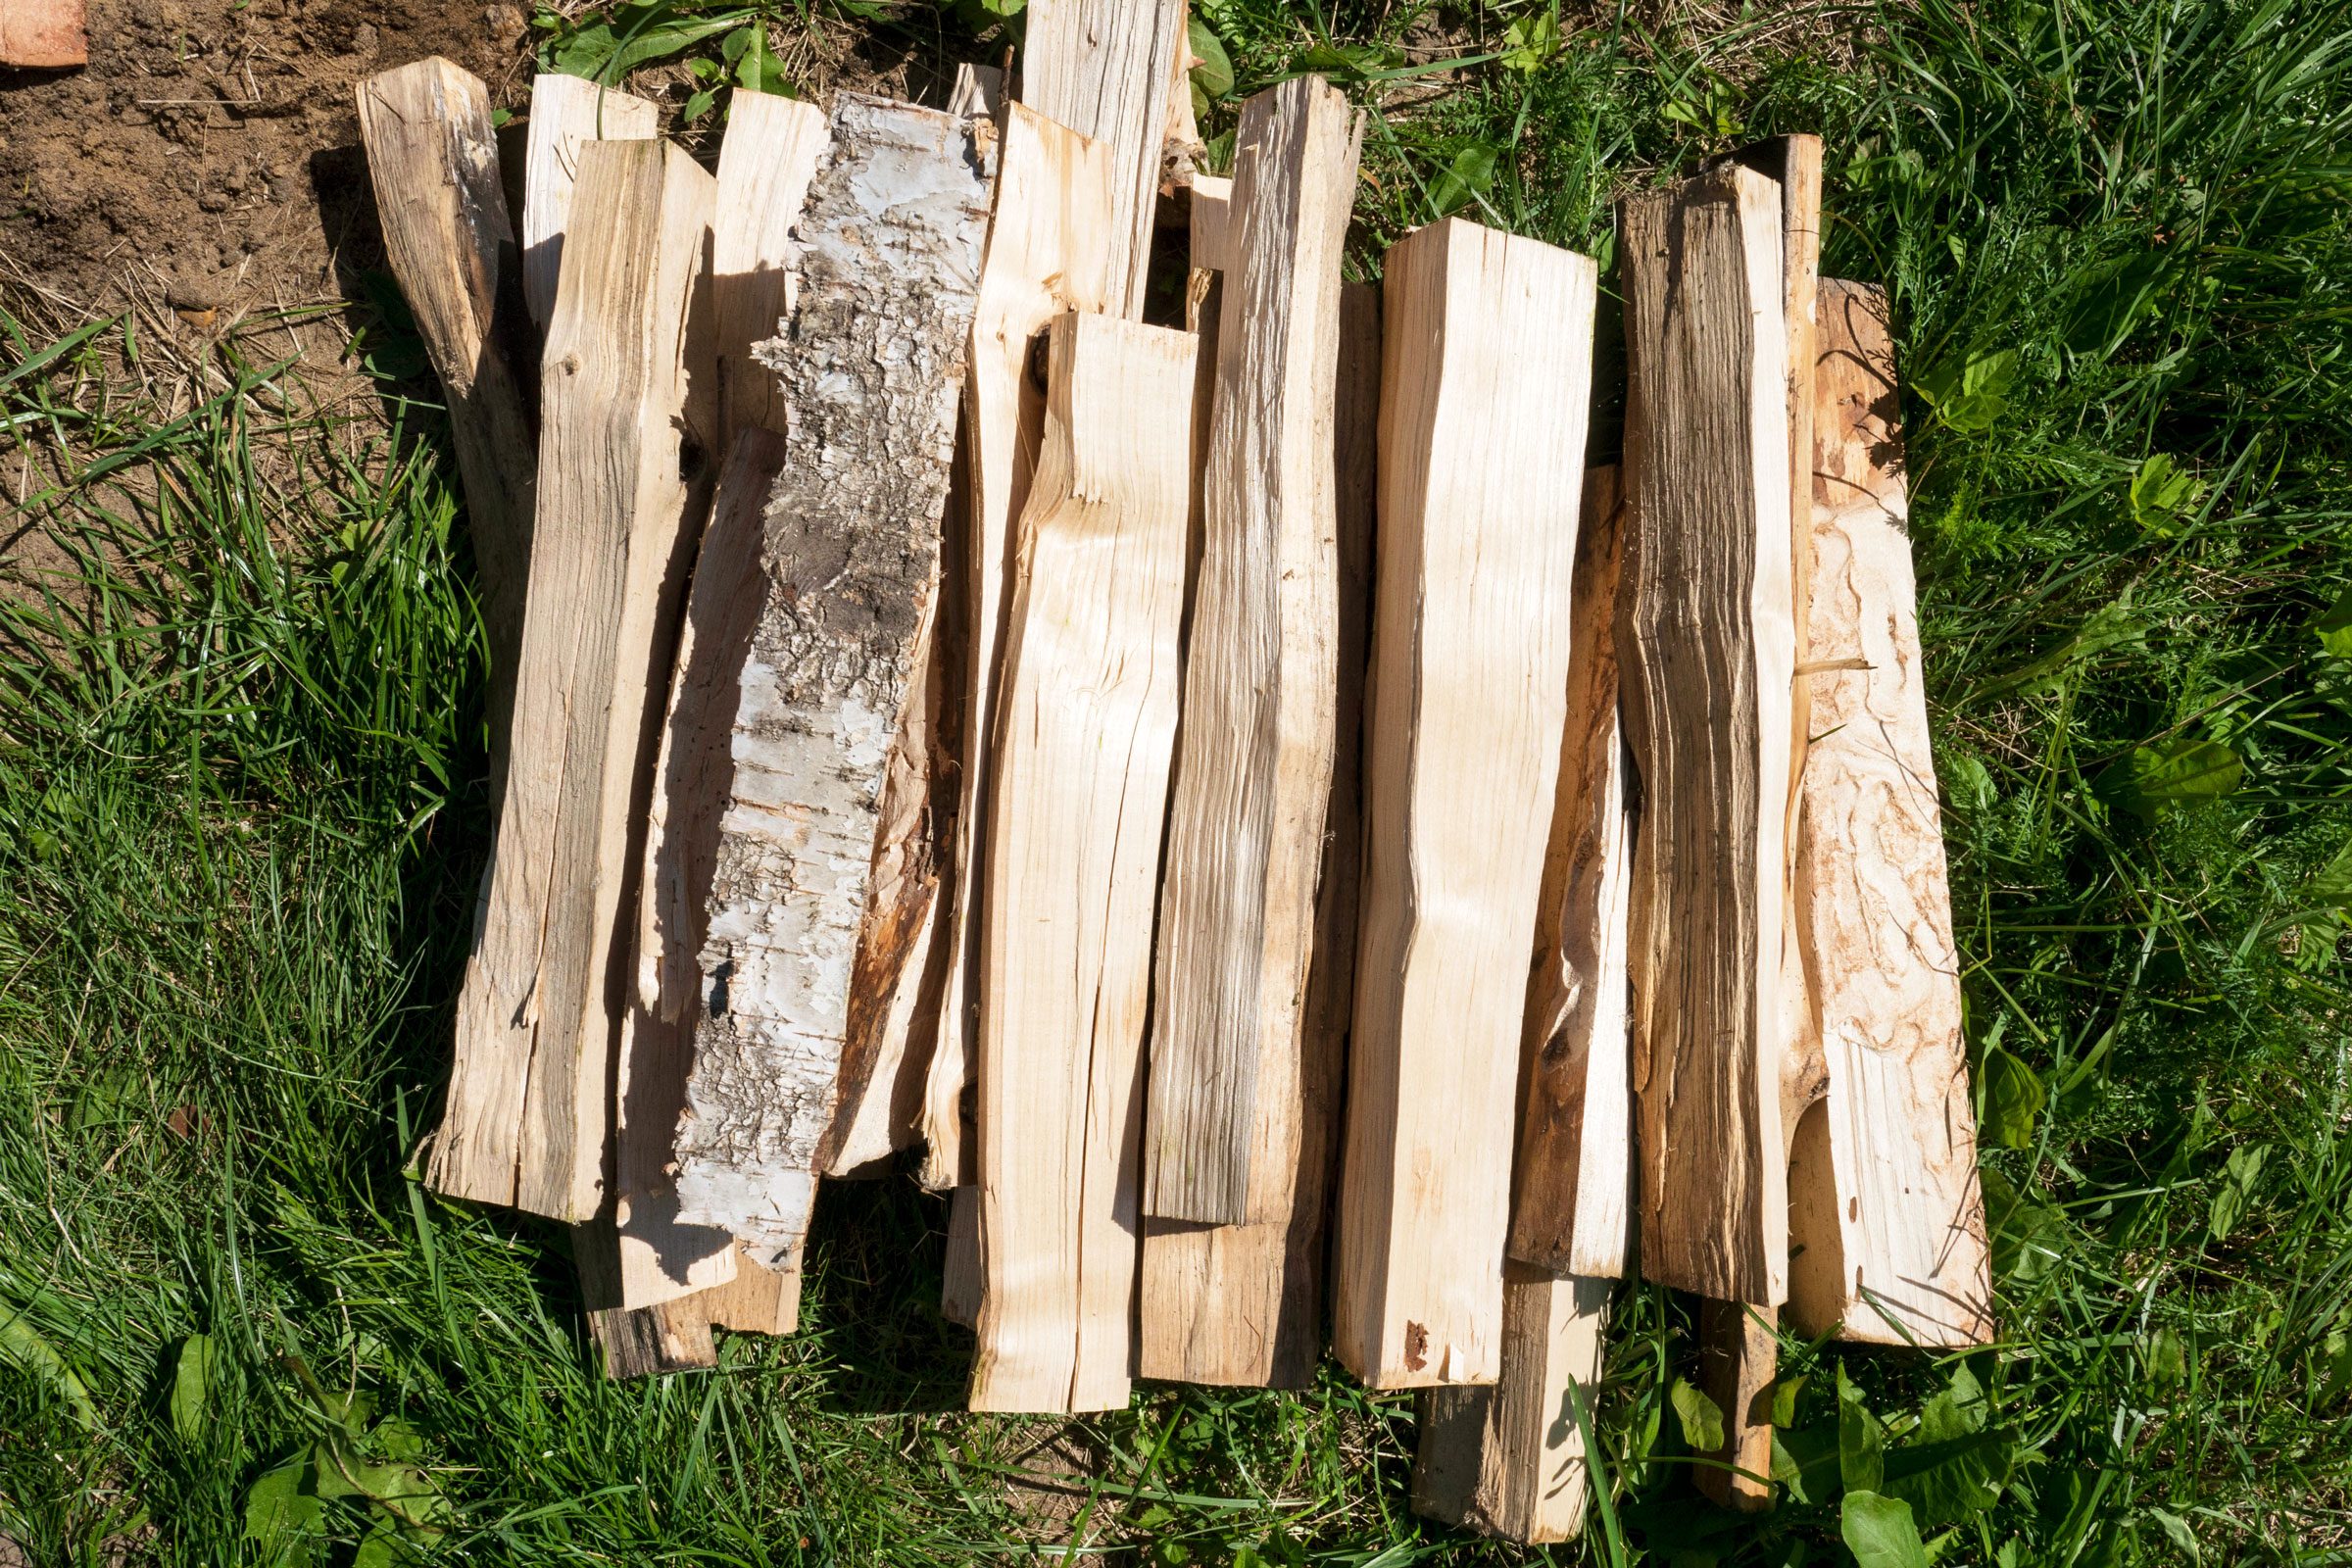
<point x="1293" y="854"/>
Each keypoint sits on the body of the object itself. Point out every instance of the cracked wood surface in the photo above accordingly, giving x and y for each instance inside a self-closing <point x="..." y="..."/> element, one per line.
<point x="888" y="264"/>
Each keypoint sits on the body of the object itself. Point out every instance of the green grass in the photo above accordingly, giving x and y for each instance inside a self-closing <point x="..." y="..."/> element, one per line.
<point x="242" y="816"/>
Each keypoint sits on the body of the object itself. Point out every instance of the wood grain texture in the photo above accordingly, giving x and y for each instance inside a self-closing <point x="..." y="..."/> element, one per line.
<point x="1085" y="736"/>
<point x="1485" y="382"/>
<point x="770" y="152"/>
<point x="1739" y="1358"/>
<point x="888" y="261"/>
<point x="1105" y="68"/>
<point x="566" y="114"/>
<point x="1707" y="649"/>
<point x="432" y="157"/>
<point x="1210" y="223"/>
<point x="1242" y="1305"/>
<point x="1571" y="1206"/>
<point x="660" y="1258"/>
<point x="43" y="34"/>
<point x="1509" y="1461"/>
<point x="529" y="1108"/>
<point x="1050" y="249"/>
<point x="1253" y="775"/>
<point x="1884" y="1206"/>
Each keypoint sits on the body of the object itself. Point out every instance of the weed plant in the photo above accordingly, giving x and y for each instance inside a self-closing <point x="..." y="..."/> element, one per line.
<point x="242" y="816"/>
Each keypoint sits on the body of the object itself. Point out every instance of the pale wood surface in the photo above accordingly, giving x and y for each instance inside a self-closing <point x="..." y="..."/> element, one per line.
<point x="1106" y="70"/>
<point x="660" y="1258"/>
<point x="887" y="265"/>
<point x="1050" y="249"/>
<point x="640" y="1341"/>
<point x="1509" y="1460"/>
<point x="43" y="34"/>
<point x="1707" y="649"/>
<point x="566" y="113"/>
<point x="1088" y="730"/>
<point x="978" y="92"/>
<point x="432" y="157"/>
<point x="1242" y="1305"/>
<point x="1572" y="1187"/>
<point x="529" y="1101"/>
<point x="1893" y="1230"/>
<point x="1485" y="376"/>
<point x="1254" y="776"/>
<point x="1211" y="223"/>
<point x="769" y="155"/>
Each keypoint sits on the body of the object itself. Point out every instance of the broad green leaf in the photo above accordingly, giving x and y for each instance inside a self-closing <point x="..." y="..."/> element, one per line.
<point x="192" y="1386"/>
<point x="1968" y="782"/>
<point x="1954" y="1466"/>
<point x="2027" y="1233"/>
<point x="1880" y="1532"/>
<point x="608" y="50"/>
<point x="2331" y="884"/>
<point x="1805" y="1461"/>
<point x="2108" y="299"/>
<point x="1861" y="1441"/>
<point x="2236" y="1189"/>
<point x="2334" y="1370"/>
<point x="1530" y="42"/>
<point x="283" y="1513"/>
<point x="2175" y="1530"/>
<point x="2167" y="1359"/>
<point x="1469" y="174"/>
<point x="1971" y="395"/>
<point x="1702" y="1418"/>
<point x="1784" y="1394"/>
<point x="1213" y="75"/>
<point x="2162" y="495"/>
<point x="2333" y="628"/>
<point x="22" y="1348"/>
<point x="2014" y="1098"/>
<point x="2169" y="774"/>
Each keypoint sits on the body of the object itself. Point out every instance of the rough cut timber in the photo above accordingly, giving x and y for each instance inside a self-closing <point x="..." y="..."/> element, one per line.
<point x="1050" y="248"/>
<point x="566" y="114"/>
<point x="1887" y="1220"/>
<point x="1211" y="223"/>
<point x="887" y="265"/>
<point x="43" y="34"/>
<point x="1739" y="1359"/>
<point x="433" y="159"/>
<point x="1707" y="649"/>
<point x="1573" y="1185"/>
<point x="1087" y="732"/>
<point x="1254" y="776"/>
<point x="1242" y="1305"/>
<point x="530" y="1102"/>
<point x="770" y="152"/>
<point x="978" y="92"/>
<point x="1485" y="382"/>
<point x="1107" y="68"/>
<point x="660" y="1258"/>
<point x="1509" y="1461"/>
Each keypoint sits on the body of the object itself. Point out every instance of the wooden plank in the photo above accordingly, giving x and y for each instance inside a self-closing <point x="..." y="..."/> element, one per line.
<point x="433" y="159"/>
<point x="1739" y="1358"/>
<point x="1211" y="223"/>
<point x="1242" y="1305"/>
<point x="1509" y="1460"/>
<point x="1485" y="384"/>
<point x="566" y="114"/>
<point x="1088" y="733"/>
<point x="530" y="1104"/>
<point x="44" y="34"/>
<point x="641" y="1341"/>
<point x="1050" y="249"/>
<point x="1707" y="649"/>
<point x="1253" y="777"/>
<point x="1572" y="1188"/>
<point x="1107" y="68"/>
<point x="978" y="92"/>
<point x="886" y="262"/>
<point x="769" y="155"/>
<point x="960" y="1271"/>
<point x="1887" y="1219"/>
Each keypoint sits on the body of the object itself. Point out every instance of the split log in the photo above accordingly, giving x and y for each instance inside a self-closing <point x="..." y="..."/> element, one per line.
<point x="1242" y="1305"/>
<point x="1107" y="68"/>
<point x="1509" y="1461"/>
<point x="1050" y="248"/>
<point x="530" y="1102"/>
<point x="802" y="913"/>
<point x="1571" y="1207"/>
<point x="960" y="1272"/>
<point x="1706" y="641"/>
<point x="1485" y="387"/>
<point x="433" y="159"/>
<point x="1088" y="733"/>
<point x="978" y="92"/>
<point x="764" y="164"/>
<point x="1885" y="1211"/>
<point x="43" y="34"/>
<point x="566" y="114"/>
<point x="1211" y="223"/>
<point x="1253" y="777"/>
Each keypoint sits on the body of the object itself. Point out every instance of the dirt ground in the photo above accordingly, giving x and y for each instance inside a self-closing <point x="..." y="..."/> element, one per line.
<point x="208" y="154"/>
